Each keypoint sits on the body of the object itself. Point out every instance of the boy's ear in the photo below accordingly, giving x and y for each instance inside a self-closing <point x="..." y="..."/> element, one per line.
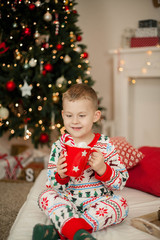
<point x="97" y="116"/>
<point x="62" y="113"/>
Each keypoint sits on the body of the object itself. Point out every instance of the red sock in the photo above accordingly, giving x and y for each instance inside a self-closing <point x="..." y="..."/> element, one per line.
<point x="73" y="225"/>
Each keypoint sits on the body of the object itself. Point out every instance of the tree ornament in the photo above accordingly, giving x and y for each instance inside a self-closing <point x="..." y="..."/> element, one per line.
<point x="26" y="89"/>
<point x="4" y="113"/>
<point x="47" y="17"/>
<point x="26" y="65"/>
<point x="66" y="8"/>
<point x="85" y="55"/>
<point x="59" y="46"/>
<point x="79" y="38"/>
<point x="45" y="45"/>
<point x="38" y="3"/>
<point x="44" y="72"/>
<point x="78" y="49"/>
<point x="67" y="59"/>
<point x="55" y="98"/>
<point x="31" y="6"/>
<point x="74" y="11"/>
<point x="36" y="35"/>
<point x="10" y="86"/>
<point x="15" y="25"/>
<point x="44" y="138"/>
<point x="48" y="67"/>
<point x="33" y="62"/>
<point x="3" y="48"/>
<point x="56" y="22"/>
<point x="27" y="31"/>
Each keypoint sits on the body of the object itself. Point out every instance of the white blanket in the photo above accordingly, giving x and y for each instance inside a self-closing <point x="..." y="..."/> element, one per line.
<point x="140" y="203"/>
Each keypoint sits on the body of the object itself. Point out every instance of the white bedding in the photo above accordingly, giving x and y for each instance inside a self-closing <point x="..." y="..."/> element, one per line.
<point x="140" y="203"/>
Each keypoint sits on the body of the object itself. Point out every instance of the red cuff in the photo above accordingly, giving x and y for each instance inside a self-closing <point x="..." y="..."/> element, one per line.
<point x="106" y="176"/>
<point x="61" y="180"/>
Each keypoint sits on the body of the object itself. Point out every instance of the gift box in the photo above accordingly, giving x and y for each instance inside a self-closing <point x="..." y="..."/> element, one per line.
<point x="147" y="23"/>
<point x="31" y="171"/>
<point x="144" y="42"/>
<point x="146" y="32"/>
<point x="10" y="166"/>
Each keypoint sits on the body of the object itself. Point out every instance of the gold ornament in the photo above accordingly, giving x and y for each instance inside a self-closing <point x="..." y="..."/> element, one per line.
<point x="55" y="98"/>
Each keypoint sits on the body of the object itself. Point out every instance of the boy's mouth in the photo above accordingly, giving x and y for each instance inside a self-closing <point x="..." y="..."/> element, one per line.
<point x="76" y="128"/>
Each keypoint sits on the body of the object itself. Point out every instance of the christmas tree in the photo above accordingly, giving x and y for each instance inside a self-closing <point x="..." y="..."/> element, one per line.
<point x="41" y="56"/>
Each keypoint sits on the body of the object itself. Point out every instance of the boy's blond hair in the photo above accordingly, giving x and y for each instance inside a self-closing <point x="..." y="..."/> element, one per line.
<point x="81" y="91"/>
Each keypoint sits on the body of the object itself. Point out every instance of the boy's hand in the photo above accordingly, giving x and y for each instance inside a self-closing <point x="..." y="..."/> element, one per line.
<point x="97" y="162"/>
<point x="61" y="166"/>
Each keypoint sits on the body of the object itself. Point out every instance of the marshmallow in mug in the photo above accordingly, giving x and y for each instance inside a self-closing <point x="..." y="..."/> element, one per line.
<point x="79" y="145"/>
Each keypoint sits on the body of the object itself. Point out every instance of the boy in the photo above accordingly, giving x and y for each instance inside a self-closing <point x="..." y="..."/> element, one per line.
<point x="82" y="205"/>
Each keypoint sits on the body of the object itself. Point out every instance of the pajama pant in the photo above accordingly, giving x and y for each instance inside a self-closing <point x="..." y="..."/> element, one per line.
<point x="98" y="212"/>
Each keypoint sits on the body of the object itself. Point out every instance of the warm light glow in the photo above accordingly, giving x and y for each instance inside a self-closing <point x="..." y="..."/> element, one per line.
<point x="120" y="69"/>
<point x="133" y="81"/>
<point x="144" y="70"/>
<point x="39" y="108"/>
<point x="148" y="63"/>
<point x="149" y="52"/>
<point x="58" y="125"/>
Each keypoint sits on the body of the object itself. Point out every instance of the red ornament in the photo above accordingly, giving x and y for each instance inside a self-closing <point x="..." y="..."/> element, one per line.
<point x="79" y="38"/>
<point x="26" y="120"/>
<point x="44" y="138"/>
<point x="85" y="55"/>
<point x="27" y="31"/>
<point x="59" y="46"/>
<point x="10" y="86"/>
<point x="45" y="45"/>
<point x="3" y="48"/>
<point x="48" y="67"/>
<point x="74" y="11"/>
<point x="44" y="72"/>
<point x="66" y="8"/>
<point x="31" y="6"/>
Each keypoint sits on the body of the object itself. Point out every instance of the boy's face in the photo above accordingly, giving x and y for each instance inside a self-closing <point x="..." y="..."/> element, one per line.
<point x="78" y="117"/>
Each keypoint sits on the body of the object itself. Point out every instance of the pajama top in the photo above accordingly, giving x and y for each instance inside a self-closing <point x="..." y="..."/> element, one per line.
<point x="89" y="184"/>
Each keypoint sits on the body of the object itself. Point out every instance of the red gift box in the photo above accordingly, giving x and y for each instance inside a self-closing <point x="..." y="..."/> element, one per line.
<point x="144" y="42"/>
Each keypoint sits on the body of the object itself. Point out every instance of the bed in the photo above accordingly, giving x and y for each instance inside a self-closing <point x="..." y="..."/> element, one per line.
<point x="142" y="192"/>
<point x="140" y="203"/>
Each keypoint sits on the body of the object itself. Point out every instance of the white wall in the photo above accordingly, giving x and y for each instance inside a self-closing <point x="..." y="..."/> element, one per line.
<point x="102" y="23"/>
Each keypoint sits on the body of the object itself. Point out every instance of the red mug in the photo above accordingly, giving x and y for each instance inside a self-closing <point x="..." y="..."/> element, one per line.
<point x="76" y="159"/>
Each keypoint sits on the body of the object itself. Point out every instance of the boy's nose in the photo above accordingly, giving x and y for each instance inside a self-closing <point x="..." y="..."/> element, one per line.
<point x="75" y="119"/>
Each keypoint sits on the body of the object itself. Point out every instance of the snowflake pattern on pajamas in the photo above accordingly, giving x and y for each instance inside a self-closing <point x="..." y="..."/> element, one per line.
<point x="87" y="196"/>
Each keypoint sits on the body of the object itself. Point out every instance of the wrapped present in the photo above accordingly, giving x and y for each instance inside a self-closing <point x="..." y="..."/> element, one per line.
<point x="144" y="42"/>
<point x="17" y="149"/>
<point x="147" y="23"/>
<point x="147" y="32"/>
<point x="31" y="171"/>
<point x="10" y="166"/>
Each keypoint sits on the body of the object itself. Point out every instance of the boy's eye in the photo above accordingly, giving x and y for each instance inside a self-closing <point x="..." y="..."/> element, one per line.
<point x="82" y="115"/>
<point x="68" y="115"/>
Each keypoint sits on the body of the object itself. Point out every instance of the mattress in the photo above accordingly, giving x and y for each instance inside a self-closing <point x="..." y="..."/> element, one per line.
<point x="140" y="203"/>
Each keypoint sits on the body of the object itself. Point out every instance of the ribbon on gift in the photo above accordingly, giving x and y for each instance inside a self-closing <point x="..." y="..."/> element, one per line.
<point x="9" y="173"/>
<point x="18" y="160"/>
<point x="7" y="168"/>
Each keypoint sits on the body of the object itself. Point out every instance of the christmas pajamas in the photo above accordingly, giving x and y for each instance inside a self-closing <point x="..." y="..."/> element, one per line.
<point x="89" y="197"/>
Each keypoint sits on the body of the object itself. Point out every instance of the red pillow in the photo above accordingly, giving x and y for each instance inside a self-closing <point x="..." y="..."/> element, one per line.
<point x="130" y="156"/>
<point x="146" y="175"/>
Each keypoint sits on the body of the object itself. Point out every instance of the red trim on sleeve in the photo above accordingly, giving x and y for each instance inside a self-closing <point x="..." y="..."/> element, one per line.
<point x="106" y="176"/>
<point x="61" y="180"/>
